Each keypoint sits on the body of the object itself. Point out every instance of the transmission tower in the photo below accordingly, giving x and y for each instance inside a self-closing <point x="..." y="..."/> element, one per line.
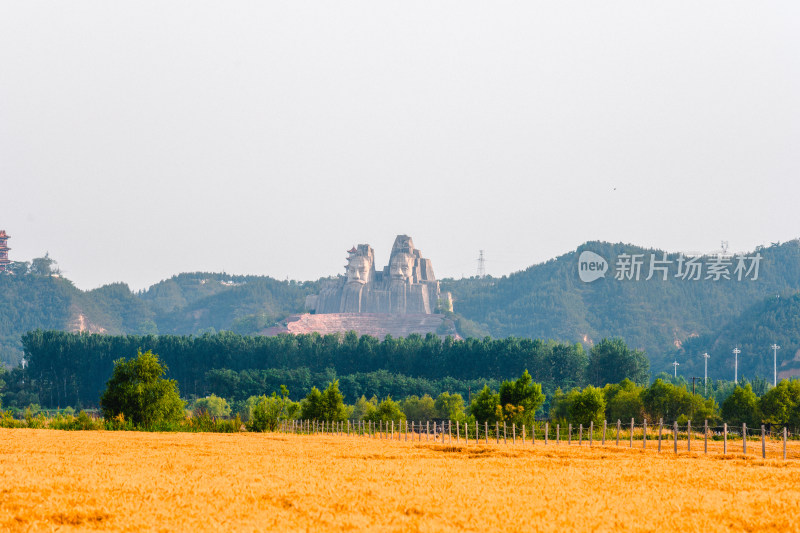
<point x="481" y="265"/>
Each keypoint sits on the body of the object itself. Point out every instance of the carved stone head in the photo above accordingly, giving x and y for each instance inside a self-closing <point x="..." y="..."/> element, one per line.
<point x="360" y="265"/>
<point x="401" y="267"/>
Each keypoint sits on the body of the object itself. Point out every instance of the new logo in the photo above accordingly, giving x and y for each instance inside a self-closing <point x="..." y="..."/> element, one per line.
<point x="591" y="266"/>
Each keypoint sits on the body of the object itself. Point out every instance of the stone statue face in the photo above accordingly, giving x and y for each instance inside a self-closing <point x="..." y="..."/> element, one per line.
<point x="358" y="270"/>
<point x="401" y="267"/>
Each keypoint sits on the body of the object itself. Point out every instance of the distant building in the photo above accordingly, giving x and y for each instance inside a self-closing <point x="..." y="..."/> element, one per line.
<point x="4" y="261"/>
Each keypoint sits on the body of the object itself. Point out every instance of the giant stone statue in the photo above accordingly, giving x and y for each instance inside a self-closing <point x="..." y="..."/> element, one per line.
<point x="406" y="286"/>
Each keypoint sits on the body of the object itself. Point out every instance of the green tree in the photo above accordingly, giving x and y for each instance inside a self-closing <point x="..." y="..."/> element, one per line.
<point x="611" y="361"/>
<point x="450" y="407"/>
<point x="484" y="405"/>
<point x="138" y="391"/>
<point x="671" y="402"/>
<point x="741" y="407"/>
<point x="326" y="405"/>
<point x="589" y="405"/>
<point x="624" y="401"/>
<point x="559" y="405"/>
<point x="387" y="411"/>
<point x="419" y="409"/>
<point x="519" y="400"/>
<point x="264" y="413"/>
<point x="213" y="405"/>
<point x="781" y="404"/>
<point x="364" y="408"/>
<point x="44" y="266"/>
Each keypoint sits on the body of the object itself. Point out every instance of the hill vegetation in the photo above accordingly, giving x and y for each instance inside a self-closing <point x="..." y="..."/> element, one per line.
<point x="667" y="320"/>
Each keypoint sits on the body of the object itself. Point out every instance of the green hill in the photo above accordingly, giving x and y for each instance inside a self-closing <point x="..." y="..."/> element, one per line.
<point x="550" y="301"/>
<point x="676" y="318"/>
<point x="773" y="320"/>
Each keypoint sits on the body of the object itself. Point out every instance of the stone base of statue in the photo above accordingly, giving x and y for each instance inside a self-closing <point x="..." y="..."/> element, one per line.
<point x="374" y="324"/>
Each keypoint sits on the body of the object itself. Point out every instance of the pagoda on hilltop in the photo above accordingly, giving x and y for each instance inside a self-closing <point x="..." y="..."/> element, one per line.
<point x="4" y="261"/>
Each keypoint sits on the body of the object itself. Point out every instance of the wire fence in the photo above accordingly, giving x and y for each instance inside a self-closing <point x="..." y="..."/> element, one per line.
<point x="764" y="442"/>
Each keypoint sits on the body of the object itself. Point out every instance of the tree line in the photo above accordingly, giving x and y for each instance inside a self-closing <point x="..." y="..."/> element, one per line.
<point x="138" y="396"/>
<point x="71" y="369"/>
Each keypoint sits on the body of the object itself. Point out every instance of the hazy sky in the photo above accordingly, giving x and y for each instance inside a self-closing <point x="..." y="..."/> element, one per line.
<point x="143" y="139"/>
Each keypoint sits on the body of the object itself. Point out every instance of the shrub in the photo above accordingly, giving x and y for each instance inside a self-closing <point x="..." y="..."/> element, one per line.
<point x="138" y="391"/>
<point x="213" y="405"/>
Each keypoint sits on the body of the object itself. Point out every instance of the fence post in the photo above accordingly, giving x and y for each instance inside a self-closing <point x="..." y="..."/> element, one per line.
<point x="784" y="443"/>
<point x="675" y="435"/>
<point x="660" y="428"/>
<point x="533" y="432"/>
<point x="392" y="429"/>
<point x="546" y="429"/>
<point x="569" y="442"/>
<point x="580" y="435"/>
<point x="763" y="444"/>
<point x="486" y="430"/>
<point x="523" y="435"/>
<point x="644" y="434"/>
<point x="514" y="433"/>
<point x="558" y="434"/>
<point x="458" y="432"/>
<point x="619" y="426"/>
<point x="705" y="436"/>
<point x="688" y="435"/>
<point x="605" y="424"/>
<point x="744" y="439"/>
<point x="724" y="439"/>
<point x="631" y="446"/>
<point x="427" y="430"/>
<point x="497" y="432"/>
<point x="591" y="433"/>
<point x="505" y="437"/>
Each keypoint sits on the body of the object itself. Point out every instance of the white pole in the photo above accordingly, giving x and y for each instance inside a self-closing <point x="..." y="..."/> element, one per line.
<point x="775" y="349"/>
<point x="705" y="375"/>
<point x="736" y="352"/>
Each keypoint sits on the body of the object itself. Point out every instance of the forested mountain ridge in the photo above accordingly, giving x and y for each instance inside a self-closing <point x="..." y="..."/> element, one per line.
<point x="775" y="320"/>
<point x="192" y="303"/>
<point x="667" y="319"/>
<point x="550" y="301"/>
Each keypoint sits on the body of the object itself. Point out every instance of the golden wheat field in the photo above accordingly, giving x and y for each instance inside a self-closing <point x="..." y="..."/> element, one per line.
<point x="56" y="480"/>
